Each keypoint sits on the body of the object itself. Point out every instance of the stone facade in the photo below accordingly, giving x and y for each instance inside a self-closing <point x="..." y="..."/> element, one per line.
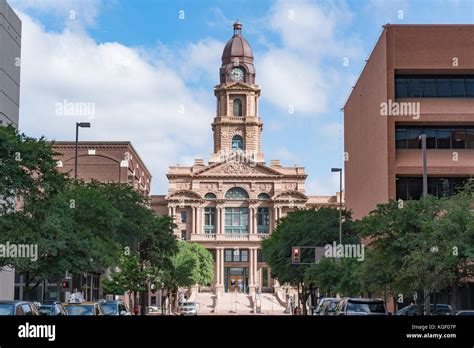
<point x="232" y="203"/>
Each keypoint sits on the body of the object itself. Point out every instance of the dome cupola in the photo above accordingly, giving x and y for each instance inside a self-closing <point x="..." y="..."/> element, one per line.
<point x="237" y="59"/>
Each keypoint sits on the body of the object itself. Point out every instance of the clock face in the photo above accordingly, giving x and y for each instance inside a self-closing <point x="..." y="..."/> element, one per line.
<point x="237" y="74"/>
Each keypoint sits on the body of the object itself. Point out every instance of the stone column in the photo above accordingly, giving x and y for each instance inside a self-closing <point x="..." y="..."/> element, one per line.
<point x="251" y="217"/>
<point x="254" y="222"/>
<point x="218" y="261"/>
<point x="222" y="220"/>
<point x="191" y="220"/>
<point x="275" y="216"/>
<point x="221" y="269"/>
<point x="199" y="222"/>
<point x="218" y="220"/>
<point x="255" y="266"/>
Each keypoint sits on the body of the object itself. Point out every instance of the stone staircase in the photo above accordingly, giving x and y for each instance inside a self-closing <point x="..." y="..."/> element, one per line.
<point x="206" y="302"/>
<point x="235" y="303"/>
<point x="269" y="304"/>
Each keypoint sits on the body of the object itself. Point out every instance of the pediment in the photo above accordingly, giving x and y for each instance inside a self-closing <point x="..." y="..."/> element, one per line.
<point x="290" y="196"/>
<point x="233" y="168"/>
<point x="184" y="195"/>
<point x="238" y="86"/>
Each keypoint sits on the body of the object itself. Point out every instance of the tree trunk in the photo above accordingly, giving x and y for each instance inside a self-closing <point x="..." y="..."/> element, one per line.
<point x="454" y="296"/>
<point x="427" y="295"/>
<point x="304" y="297"/>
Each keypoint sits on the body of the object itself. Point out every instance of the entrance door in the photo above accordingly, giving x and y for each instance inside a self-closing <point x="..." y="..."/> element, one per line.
<point x="236" y="279"/>
<point x="236" y="283"/>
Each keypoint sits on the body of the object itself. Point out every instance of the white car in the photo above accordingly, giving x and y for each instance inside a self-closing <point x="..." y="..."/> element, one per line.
<point x="188" y="308"/>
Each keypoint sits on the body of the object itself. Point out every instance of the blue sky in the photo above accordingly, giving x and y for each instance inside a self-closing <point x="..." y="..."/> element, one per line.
<point x="140" y="64"/>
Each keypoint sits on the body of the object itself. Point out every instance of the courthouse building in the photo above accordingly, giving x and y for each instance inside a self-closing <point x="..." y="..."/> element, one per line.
<point x="230" y="204"/>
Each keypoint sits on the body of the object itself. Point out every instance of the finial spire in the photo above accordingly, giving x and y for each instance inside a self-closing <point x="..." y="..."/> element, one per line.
<point x="237" y="28"/>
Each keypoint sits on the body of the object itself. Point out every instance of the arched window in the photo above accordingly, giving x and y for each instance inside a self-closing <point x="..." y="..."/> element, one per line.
<point x="238" y="107"/>
<point x="210" y="196"/>
<point x="236" y="193"/>
<point x="237" y="143"/>
<point x="263" y="197"/>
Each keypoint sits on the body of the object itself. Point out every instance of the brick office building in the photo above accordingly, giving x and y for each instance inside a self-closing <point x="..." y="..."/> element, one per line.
<point x="113" y="161"/>
<point x="418" y="79"/>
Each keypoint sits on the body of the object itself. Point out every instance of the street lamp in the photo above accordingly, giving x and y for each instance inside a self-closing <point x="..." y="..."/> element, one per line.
<point x="82" y="125"/>
<point x="335" y="170"/>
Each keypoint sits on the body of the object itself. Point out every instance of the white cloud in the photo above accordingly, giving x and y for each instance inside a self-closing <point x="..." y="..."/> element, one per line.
<point x="324" y="186"/>
<point x="135" y="99"/>
<point x="296" y="74"/>
<point x="74" y="12"/>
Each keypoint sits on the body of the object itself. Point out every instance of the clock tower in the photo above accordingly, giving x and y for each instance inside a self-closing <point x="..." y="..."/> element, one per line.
<point x="237" y="126"/>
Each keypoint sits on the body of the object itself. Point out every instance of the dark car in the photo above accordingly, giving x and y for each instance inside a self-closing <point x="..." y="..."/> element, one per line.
<point x="52" y="309"/>
<point x="361" y="306"/>
<point x="441" y="309"/>
<point x="114" y="308"/>
<point x="18" y="308"/>
<point x="327" y="306"/>
<point x="465" y="313"/>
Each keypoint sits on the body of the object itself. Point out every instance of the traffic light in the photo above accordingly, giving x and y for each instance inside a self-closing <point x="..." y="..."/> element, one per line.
<point x="295" y="255"/>
<point x="65" y="284"/>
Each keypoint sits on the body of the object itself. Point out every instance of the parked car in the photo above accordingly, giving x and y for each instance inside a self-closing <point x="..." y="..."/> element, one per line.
<point x="18" y="308"/>
<point x="441" y="309"/>
<point x="153" y="309"/>
<point x="115" y="307"/>
<point x="51" y="309"/>
<point x="361" y="306"/>
<point x="78" y="306"/>
<point x="188" y="308"/>
<point x="327" y="306"/>
<point x="465" y="312"/>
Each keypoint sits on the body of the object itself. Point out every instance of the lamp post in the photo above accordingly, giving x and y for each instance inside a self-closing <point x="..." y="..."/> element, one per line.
<point x="335" y="170"/>
<point x="422" y="138"/>
<point x="81" y="125"/>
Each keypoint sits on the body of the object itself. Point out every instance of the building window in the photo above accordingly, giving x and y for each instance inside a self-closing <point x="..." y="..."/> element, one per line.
<point x="228" y="255"/>
<point x="236" y="193"/>
<point x="183" y="234"/>
<point x="264" y="197"/>
<point x="434" y="86"/>
<point x="210" y="220"/>
<point x="260" y="257"/>
<point x="436" y="137"/>
<point x="210" y="196"/>
<point x="263" y="220"/>
<point x="236" y="255"/>
<point x="237" y="143"/>
<point x="264" y="277"/>
<point x="184" y="217"/>
<point x="236" y="220"/>
<point x="409" y="188"/>
<point x="238" y="109"/>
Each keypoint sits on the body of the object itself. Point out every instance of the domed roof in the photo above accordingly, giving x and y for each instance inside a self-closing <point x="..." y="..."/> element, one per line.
<point x="237" y="47"/>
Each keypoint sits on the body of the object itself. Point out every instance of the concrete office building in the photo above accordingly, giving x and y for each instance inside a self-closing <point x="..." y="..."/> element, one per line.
<point x="10" y="59"/>
<point x="10" y="49"/>
<point x="418" y="79"/>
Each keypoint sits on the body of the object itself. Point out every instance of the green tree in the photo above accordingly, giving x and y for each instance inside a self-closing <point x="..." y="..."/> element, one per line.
<point x="191" y="265"/>
<point x="27" y="169"/>
<point x="422" y="245"/>
<point x="303" y="228"/>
